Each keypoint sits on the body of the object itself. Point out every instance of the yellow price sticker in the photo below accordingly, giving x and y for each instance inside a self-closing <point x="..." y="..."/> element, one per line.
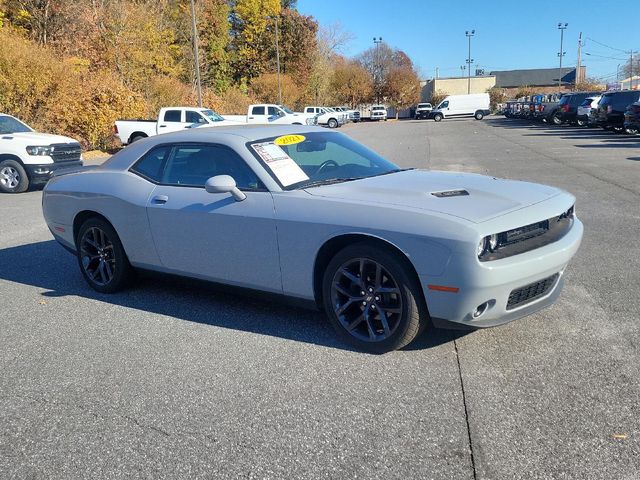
<point x="289" y="139"/>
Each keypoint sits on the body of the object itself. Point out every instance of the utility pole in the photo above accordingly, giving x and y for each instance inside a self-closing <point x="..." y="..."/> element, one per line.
<point x="195" y="52"/>
<point x="561" y="27"/>
<point x="469" y="34"/>
<point x="377" y="77"/>
<point x="278" y="64"/>
<point x="631" y="68"/>
<point x="579" y="78"/>
<point x="437" y="72"/>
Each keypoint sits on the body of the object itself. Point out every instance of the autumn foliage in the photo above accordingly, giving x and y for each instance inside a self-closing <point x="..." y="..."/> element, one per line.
<point x="75" y="66"/>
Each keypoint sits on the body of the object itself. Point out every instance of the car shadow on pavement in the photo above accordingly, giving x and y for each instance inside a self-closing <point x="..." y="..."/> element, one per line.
<point x="46" y="265"/>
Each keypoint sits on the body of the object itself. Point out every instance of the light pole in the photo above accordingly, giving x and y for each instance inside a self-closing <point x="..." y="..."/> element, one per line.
<point x="278" y="64"/>
<point x="195" y="52"/>
<point x="469" y="34"/>
<point x="561" y="27"/>
<point x="377" y="76"/>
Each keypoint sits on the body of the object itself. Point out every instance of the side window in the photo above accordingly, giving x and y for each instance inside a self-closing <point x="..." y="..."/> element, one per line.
<point x="150" y="166"/>
<point x="257" y="111"/>
<point x="172" y="116"/>
<point x="272" y="111"/>
<point x="193" y="165"/>
<point x="445" y="104"/>
<point x="194" y="117"/>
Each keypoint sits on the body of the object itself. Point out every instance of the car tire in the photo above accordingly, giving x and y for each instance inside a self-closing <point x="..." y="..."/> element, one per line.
<point x="101" y="257"/>
<point x="556" y="119"/>
<point x="580" y="122"/>
<point x="631" y="131"/>
<point x="388" y="287"/>
<point x="479" y="115"/>
<point x="437" y="117"/>
<point x="13" y="177"/>
<point x="135" y="138"/>
<point x="332" y="123"/>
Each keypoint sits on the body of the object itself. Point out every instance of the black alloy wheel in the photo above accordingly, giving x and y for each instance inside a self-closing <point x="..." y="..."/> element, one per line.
<point x="101" y="257"/>
<point x="371" y="300"/>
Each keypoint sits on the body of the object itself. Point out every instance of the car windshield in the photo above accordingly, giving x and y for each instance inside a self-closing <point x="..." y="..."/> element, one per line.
<point x="424" y="105"/>
<point x="12" y="125"/>
<point x="378" y="108"/>
<point x="213" y="116"/>
<point x="318" y="158"/>
<point x="285" y="109"/>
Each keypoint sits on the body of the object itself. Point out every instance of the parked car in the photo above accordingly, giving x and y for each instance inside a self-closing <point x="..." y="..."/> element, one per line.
<point x="287" y="210"/>
<point x="354" y="115"/>
<point x="567" y="109"/>
<point x="29" y="158"/>
<point x="378" y="112"/>
<point x="632" y="119"/>
<point x="169" y="119"/>
<point x="423" y="110"/>
<point x="612" y="106"/>
<point x="327" y="117"/>
<point x="474" y="105"/>
<point x="271" y="114"/>
<point x="584" y="109"/>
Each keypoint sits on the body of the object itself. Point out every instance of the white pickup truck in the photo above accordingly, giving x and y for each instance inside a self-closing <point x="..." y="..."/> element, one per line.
<point x="30" y="158"/>
<point x="170" y="119"/>
<point x="327" y="116"/>
<point x="270" y="113"/>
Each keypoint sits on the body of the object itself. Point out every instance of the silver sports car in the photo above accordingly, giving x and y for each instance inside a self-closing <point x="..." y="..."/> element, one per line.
<point x="311" y="214"/>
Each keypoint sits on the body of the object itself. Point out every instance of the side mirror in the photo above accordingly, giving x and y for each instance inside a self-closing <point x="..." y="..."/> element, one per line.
<point x="224" y="184"/>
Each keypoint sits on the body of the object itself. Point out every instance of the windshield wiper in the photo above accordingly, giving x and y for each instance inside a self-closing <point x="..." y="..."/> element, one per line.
<point x="393" y="171"/>
<point x="329" y="181"/>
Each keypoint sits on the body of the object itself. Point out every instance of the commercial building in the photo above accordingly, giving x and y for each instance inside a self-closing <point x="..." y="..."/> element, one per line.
<point x="456" y="85"/>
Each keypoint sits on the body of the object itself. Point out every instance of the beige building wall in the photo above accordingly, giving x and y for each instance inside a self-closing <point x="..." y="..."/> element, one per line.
<point x="457" y="86"/>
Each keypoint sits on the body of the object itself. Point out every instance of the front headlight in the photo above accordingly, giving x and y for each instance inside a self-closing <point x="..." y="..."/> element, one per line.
<point x="488" y="244"/>
<point x="39" y="150"/>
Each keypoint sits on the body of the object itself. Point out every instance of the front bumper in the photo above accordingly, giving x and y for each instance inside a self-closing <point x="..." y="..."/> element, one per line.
<point x="41" y="173"/>
<point x="492" y="283"/>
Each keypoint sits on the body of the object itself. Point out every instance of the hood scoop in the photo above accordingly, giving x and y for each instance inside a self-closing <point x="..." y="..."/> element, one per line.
<point x="450" y="193"/>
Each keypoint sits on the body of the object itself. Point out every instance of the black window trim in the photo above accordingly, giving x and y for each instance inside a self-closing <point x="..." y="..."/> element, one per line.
<point x="173" y="121"/>
<point x="170" y="153"/>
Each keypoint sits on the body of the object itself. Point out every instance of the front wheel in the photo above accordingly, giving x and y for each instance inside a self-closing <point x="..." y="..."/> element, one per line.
<point x="371" y="300"/>
<point x="479" y="115"/>
<point x="101" y="256"/>
<point x="13" y="177"/>
<point x="437" y="117"/>
<point x="556" y="119"/>
<point x="581" y="122"/>
<point x="333" y="123"/>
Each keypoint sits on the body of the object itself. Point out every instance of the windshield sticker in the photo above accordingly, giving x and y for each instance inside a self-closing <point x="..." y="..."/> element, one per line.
<point x="289" y="139"/>
<point x="282" y="165"/>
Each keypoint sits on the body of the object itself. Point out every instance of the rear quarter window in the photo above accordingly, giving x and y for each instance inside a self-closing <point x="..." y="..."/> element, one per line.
<point x="151" y="165"/>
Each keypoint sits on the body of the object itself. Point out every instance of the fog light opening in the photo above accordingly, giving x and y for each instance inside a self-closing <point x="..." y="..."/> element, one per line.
<point x="481" y="309"/>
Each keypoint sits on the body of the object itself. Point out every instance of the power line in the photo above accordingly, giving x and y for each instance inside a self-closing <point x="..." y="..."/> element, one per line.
<point x="604" y="45"/>
<point x="603" y="56"/>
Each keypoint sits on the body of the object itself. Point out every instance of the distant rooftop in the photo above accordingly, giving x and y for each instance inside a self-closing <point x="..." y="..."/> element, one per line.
<point x="536" y="77"/>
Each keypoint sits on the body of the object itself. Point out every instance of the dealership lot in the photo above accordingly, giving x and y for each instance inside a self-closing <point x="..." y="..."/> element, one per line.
<point x="171" y="379"/>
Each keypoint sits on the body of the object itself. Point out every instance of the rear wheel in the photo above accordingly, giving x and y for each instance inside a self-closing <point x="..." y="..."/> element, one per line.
<point x="135" y="138"/>
<point x="333" y="123"/>
<point x="13" y="177"/>
<point x="437" y="117"/>
<point x="556" y="119"/>
<point x="581" y="122"/>
<point x="101" y="256"/>
<point x="371" y="300"/>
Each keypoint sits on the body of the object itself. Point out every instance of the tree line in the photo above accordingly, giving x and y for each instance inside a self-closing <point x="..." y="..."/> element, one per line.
<point x="75" y="66"/>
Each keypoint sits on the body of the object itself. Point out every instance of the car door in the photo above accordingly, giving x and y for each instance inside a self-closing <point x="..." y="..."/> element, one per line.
<point x="211" y="235"/>
<point x="194" y="118"/>
<point x="258" y="114"/>
<point x="171" y="121"/>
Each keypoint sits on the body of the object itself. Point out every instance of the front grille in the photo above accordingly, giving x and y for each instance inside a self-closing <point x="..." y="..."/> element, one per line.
<point x="66" y="152"/>
<point x="531" y="292"/>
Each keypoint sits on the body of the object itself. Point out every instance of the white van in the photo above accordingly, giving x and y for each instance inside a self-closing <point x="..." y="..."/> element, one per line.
<point x="474" y="105"/>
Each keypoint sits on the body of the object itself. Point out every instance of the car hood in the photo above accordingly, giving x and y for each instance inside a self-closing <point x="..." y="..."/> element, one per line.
<point x="487" y="198"/>
<point x="37" y="138"/>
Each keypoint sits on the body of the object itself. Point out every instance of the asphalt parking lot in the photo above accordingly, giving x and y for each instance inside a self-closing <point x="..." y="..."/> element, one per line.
<point x="176" y="380"/>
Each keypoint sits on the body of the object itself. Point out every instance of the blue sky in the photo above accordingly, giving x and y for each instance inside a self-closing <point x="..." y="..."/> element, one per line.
<point x="509" y="34"/>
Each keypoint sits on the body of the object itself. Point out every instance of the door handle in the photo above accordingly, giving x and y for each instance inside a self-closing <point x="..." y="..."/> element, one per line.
<point x="160" y="199"/>
<point x="162" y="126"/>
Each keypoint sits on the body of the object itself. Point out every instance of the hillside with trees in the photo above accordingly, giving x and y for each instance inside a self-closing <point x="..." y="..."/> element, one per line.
<point x="75" y="66"/>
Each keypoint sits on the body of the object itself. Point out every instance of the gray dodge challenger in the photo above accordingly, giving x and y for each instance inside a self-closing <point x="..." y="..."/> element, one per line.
<point x="311" y="214"/>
